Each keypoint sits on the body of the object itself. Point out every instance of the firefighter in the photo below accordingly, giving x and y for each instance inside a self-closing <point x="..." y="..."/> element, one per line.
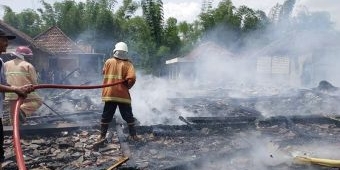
<point x="18" y="73"/>
<point x="4" y="87"/>
<point x="118" y="68"/>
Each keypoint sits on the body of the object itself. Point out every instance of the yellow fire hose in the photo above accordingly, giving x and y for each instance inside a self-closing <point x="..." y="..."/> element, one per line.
<point x="318" y="161"/>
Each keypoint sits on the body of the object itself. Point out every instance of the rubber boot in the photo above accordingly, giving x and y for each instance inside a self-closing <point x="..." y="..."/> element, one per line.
<point x="132" y="132"/>
<point x="102" y="138"/>
<point x="103" y="131"/>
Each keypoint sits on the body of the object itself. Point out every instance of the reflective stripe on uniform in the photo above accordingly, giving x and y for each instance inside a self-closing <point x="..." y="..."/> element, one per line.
<point x="11" y="95"/>
<point x="112" y="76"/>
<point x="34" y="103"/>
<point x="17" y="73"/>
<point x="118" y="99"/>
<point x="133" y="123"/>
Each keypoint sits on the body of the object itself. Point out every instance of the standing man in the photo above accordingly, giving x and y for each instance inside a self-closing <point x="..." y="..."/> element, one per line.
<point x="19" y="73"/>
<point x="4" y="87"/>
<point x="118" y="68"/>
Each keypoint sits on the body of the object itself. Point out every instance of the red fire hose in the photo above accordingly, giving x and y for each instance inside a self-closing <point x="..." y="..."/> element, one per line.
<point x="16" y="134"/>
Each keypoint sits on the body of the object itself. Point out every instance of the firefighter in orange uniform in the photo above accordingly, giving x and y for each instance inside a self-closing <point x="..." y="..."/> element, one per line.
<point x="18" y="73"/>
<point x="118" y="68"/>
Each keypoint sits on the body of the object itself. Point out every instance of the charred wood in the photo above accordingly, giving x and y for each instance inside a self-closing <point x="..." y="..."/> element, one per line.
<point x="302" y="119"/>
<point x="69" y="117"/>
<point x="125" y="146"/>
<point x="47" y="129"/>
<point x="222" y="120"/>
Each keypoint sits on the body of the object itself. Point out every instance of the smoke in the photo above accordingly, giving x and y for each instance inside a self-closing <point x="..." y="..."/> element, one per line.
<point x="279" y="62"/>
<point x="150" y="99"/>
<point x="288" y="55"/>
<point x="249" y="150"/>
<point x="253" y="150"/>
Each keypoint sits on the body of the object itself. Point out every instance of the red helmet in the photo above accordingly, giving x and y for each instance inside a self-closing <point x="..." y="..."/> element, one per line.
<point x="22" y="51"/>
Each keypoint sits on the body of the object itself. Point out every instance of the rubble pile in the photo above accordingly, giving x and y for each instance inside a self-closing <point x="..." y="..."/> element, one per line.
<point x="194" y="146"/>
<point x="69" y="101"/>
<point x="235" y="147"/>
<point x="291" y="102"/>
<point x="224" y="131"/>
<point x="66" y="150"/>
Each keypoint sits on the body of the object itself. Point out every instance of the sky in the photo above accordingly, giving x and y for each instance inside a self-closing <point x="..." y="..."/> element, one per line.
<point x="187" y="10"/>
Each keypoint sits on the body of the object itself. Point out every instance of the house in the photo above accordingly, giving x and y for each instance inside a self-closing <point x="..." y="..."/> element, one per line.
<point x="295" y="59"/>
<point x="300" y="59"/>
<point x="40" y="59"/>
<point x="67" y="55"/>
<point x="192" y="65"/>
<point x="55" y="52"/>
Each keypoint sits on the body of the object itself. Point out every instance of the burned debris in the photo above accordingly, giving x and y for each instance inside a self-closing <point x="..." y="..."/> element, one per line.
<point x="223" y="131"/>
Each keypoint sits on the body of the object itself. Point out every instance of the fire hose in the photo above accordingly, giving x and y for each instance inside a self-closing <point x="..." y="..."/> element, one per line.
<point x="16" y="134"/>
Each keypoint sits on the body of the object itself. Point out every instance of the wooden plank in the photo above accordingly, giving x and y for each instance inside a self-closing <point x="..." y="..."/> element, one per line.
<point x="222" y="120"/>
<point x="48" y="129"/>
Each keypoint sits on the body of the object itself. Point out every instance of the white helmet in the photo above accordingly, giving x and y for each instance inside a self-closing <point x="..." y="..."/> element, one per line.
<point x="120" y="46"/>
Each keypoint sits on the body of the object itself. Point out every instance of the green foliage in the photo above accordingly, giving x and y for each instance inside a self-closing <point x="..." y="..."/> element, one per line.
<point x="248" y="18"/>
<point x="29" y="22"/>
<point x="171" y="38"/>
<point x="127" y="10"/>
<point x="69" y="17"/>
<point x="10" y="17"/>
<point x="153" y="13"/>
<point x="151" y="41"/>
<point x="138" y="36"/>
<point x="47" y="15"/>
<point x="189" y="34"/>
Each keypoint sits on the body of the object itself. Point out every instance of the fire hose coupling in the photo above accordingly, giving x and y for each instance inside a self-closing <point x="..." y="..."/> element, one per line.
<point x="16" y="131"/>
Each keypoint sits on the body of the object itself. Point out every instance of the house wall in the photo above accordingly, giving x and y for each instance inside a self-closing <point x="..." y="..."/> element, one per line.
<point x="40" y="61"/>
<point x="181" y="70"/>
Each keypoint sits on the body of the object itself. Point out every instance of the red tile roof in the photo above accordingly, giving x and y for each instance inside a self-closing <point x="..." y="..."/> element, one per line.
<point x="56" y="41"/>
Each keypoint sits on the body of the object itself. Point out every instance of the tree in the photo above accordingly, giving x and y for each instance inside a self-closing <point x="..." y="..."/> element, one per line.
<point x="150" y="40"/>
<point x="105" y="31"/>
<point x="127" y="9"/>
<point x="10" y="17"/>
<point x="69" y="17"/>
<point x="287" y="9"/>
<point x="190" y="34"/>
<point x="222" y="15"/>
<point x="171" y="38"/>
<point x="225" y="13"/>
<point x="48" y="16"/>
<point x="281" y="13"/>
<point x="29" y="22"/>
<point x="153" y="13"/>
<point x="142" y="47"/>
<point x="248" y="18"/>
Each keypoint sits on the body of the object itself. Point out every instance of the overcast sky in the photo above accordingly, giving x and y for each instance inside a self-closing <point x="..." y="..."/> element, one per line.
<point x="187" y="10"/>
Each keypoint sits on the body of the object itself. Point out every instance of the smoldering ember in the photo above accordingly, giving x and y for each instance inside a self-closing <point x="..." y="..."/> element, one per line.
<point x="235" y="135"/>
